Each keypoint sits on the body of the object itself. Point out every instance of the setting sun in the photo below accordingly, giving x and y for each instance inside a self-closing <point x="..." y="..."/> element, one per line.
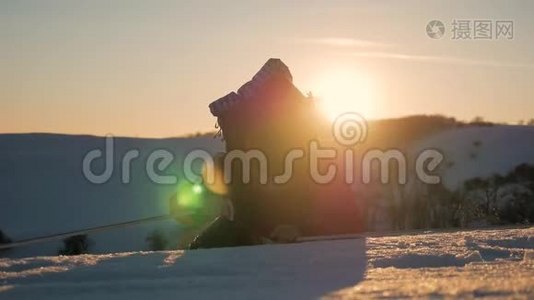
<point x="343" y="90"/>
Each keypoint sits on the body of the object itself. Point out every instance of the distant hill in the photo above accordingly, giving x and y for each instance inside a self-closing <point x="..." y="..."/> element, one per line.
<point x="481" y="151"/>
<point x="43" y="190"/>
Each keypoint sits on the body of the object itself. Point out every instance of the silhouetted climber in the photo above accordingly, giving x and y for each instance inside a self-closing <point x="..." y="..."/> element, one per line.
<point x="271" y="115"/>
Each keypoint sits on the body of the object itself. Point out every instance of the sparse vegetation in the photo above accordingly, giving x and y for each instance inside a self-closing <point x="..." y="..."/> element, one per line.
<point x="4" y="239"/>
<point x="200" y="134"/>
<point x="75" y="245"/>
<point x="479" y="121"/>
<point x="157" y="241"/>
<point x="496" y="200"/>
<point x="503" y="199"/>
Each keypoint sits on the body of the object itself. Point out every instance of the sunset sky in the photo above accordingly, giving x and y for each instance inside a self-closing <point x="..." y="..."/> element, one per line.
<point x="150" y="68"/>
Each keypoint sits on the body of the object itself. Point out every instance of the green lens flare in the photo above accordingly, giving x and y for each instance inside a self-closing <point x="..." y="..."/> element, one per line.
<point x="197" y="189"/>
<point x="189" y="196"/>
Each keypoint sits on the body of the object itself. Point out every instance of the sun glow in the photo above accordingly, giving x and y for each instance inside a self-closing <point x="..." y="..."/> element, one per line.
<point x="345" y="90"/>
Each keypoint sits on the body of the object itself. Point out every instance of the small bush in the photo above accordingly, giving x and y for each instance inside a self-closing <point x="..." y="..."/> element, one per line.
<point x="4" y="239"/>
<point x="157" y="241"/>
<point x="75" y="245"/>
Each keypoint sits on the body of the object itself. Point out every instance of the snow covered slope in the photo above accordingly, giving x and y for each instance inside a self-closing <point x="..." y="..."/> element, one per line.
<point x="43" y="189"/>
<point x="492" y="263"/>
<point x="481" y="151"/>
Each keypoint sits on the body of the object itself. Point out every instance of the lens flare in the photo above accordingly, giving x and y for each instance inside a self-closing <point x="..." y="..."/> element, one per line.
<point x="189" y="202"/>
<point x="188" y="195"/>
<point x="197" y="189"/>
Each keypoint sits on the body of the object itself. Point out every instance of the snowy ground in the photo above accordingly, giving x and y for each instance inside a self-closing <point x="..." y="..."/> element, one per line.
<point x="490" y="263"/>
